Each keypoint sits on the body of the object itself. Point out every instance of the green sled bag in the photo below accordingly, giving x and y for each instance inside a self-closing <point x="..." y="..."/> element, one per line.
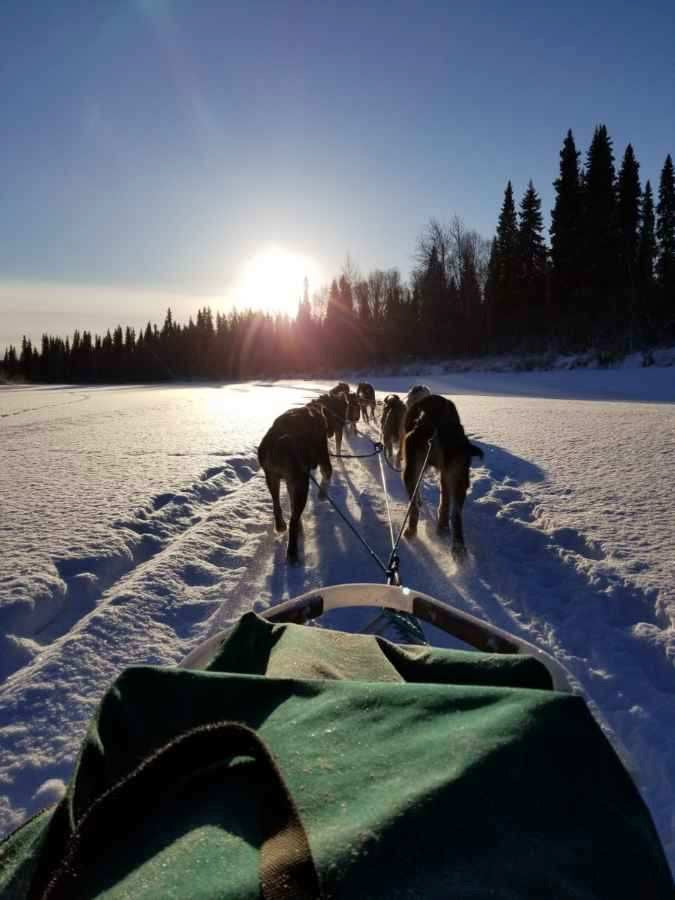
<point x="304" y="763"/>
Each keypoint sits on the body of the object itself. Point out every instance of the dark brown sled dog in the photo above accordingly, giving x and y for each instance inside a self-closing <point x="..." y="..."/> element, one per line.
<point x="435" y="418"/>
<point x="393" y="415"/>
<point x="296" y="443"/>
<point x="335" y="408"/>
<point x="366" y="396"/>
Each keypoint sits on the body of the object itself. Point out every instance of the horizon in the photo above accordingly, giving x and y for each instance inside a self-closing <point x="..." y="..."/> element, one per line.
<point x="154" y="150"/>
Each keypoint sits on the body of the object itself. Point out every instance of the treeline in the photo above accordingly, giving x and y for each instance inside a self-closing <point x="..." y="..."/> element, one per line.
<point x="329" y="331"/>
<point x="607" y="280"/>
<point x="216" y="347"/>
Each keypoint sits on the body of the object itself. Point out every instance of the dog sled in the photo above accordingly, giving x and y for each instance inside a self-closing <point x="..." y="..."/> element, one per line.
<point x="286" y="760"/>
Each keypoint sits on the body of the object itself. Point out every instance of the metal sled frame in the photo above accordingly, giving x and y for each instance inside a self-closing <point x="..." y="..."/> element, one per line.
<point x="474" y="632"/>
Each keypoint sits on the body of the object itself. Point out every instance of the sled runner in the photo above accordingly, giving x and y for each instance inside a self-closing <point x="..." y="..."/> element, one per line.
<point x="281" y="760"/>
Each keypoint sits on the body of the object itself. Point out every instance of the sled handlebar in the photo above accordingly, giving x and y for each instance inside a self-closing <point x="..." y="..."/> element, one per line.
<point x="473" y="631"/>
<point x="467" y="628"/>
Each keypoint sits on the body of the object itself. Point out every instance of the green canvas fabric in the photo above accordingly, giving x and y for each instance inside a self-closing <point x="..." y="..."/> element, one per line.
<point x="406" y="788"/>
<point x="259" y="647"/>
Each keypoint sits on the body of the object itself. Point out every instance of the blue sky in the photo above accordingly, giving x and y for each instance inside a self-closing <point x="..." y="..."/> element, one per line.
<point x="150" y="146"/>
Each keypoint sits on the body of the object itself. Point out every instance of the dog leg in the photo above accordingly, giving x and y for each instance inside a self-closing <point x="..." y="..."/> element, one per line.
<point x="388" y="450"/>
<point x="338" y="439"/>
<point x="411" y="474"/>
<point x="326" y="471"/>
<point x="399" y="451"/>
<point x="273" y="482"/>
<point x="460" y="485"/>
<point x="297" y="491"/>
<point x="444" y="505"/>
<point x="400" y="460"/>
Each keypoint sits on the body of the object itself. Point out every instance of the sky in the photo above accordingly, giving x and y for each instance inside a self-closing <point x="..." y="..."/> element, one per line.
<point x="152" y="148"/>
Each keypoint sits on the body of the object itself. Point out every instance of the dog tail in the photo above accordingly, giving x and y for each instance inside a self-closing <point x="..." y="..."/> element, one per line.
<point x="475" y="451"/>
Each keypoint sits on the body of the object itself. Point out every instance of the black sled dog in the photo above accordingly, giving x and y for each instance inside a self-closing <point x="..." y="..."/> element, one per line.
<point x="296" y="443"/>
<point x="434" y="418"/>
<point x="335" y="407"/>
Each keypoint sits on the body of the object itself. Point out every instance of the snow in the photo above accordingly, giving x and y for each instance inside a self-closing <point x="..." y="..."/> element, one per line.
<point x="134" y="523"/>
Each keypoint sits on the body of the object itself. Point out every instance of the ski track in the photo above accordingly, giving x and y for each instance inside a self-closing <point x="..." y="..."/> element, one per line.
<point x="190" y="561"/>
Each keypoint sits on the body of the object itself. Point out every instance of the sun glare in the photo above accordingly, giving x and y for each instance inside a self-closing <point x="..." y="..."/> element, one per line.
<point x="273" y="281"/>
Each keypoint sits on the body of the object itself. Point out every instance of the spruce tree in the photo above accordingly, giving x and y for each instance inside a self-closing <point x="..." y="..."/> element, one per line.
<point x="665" y="233"/>
<point x="646" y="257"/>
<point x="602" y="238"/>
<point x="530" y="229"/>
<point x="86" y="356"/>
<point x="629" y="194"/>
<point x="628" y="211"/>
<point x="531" y="261"/>
<point x="505" y="313"/>
<point x="566" y="244"/>
<point x="167" y="327"/>
<point x="26" y="358"/>
<point x="45" y="359"/>
<point x="11" y="362"/>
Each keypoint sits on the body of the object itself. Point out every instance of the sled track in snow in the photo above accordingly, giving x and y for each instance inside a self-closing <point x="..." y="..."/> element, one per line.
<point x="152" y="614"/>
<point x="150" y="530"/>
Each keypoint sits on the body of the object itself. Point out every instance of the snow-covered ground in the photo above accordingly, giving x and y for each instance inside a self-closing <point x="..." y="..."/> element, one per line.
<point x="134" y="523"/>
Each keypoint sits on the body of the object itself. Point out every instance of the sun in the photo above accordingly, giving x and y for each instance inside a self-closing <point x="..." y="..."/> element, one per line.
<point x="272" y="280"/>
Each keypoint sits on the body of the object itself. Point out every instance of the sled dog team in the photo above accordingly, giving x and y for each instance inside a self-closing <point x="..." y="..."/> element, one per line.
<point x="297" y="442"/>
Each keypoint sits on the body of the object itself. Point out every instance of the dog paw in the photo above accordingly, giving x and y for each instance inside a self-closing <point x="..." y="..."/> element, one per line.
<point x="410" y="533"/>
<point x="280" y="526"/>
